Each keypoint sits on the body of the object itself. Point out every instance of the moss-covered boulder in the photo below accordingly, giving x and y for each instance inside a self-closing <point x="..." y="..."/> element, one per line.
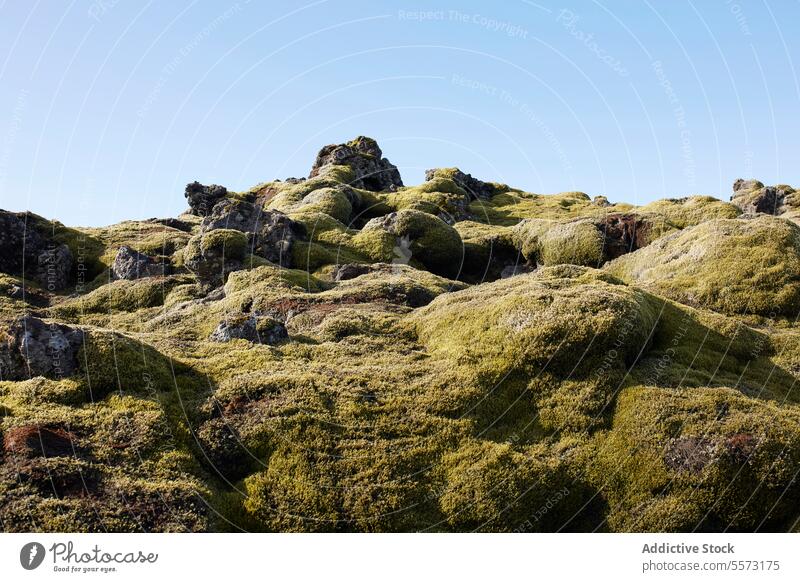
<point x="211" y="256"/>
<point x="549" y="242"/>
<point x="420" y="237"/>
<point x="732" y="266"/>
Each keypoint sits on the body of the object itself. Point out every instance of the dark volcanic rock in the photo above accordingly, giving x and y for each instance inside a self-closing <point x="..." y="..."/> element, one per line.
<point x="35" y="348"/>
<point x="365" y="158"/>
<point x="476" y="189"/>
<point x="753" y="197"/>
<point x="203" y="198"/>
<point x="54" y="265"/>
<point x="130" y="264"/>
<point x="23" y="247"/>
<point x="253" y="328"/>
<point x="351" y="271"/>
<point x="271" y="233"/>
<point x="623" y="233"/>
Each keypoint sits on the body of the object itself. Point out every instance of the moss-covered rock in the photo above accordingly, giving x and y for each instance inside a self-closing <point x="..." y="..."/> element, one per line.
<point x="554" y="243"/>
<point x="732" y="266"/>
<point x="420" y="237"/>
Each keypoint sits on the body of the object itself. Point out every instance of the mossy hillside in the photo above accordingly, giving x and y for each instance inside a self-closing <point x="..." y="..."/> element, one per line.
<point x="148" y="238"/>
<point x="733" y="266"/>
<point x="547" y="350"/>
<point x="439" y="196"/>
<point x="696" y="348"/>
<point x="126" y="467"/>
<point x="493" y="486"/>
<point x="119" y="296"/>
<point x="706" y="459"/>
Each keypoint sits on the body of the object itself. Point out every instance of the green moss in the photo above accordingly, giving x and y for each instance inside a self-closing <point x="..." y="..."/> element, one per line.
<point x="330" y="201"/>
<point x="122" y="295"/>
<point x="223" y="241"/>
<point x="113" y="362"/>
<point x="690" y="211"/>
<point x="732" y="266"/>
<point x="534" y="323"/>
<point x="422" y="237"/>
<point x="702" y="459"/>
<point x="493" y="487"/>
<point x="553" y="243"/>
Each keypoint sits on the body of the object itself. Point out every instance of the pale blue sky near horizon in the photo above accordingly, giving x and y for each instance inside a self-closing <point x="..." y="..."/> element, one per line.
<point x="109" y="107"/>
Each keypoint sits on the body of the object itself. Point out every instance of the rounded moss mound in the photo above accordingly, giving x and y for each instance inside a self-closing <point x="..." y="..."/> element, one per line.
<point x="704" y="459"/>
<point x="733" y="266"/>
<point x="553" y="321"/>
<point x="419" y="236"/>
<point x="553" y="243"/>
<point x="331" y="201"/>
<point x="690" y="211"/>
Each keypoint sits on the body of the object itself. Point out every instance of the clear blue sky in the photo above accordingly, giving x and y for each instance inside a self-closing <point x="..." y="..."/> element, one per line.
<point x="108" y="107"/>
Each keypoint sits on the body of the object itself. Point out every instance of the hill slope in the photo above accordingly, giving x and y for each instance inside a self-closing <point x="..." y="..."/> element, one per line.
<point x="345" y="353"/>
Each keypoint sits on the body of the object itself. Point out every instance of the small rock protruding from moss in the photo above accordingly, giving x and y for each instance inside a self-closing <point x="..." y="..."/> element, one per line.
<point x="254" y="328"/>
<point x="203" y="198"/>
<point x="130" y="265"/>
<point x="35" y="348"/>
<point x="363" y="156"/>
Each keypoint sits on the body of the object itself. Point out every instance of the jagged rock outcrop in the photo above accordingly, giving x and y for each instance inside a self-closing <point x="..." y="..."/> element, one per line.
<point x="753" y="197"/>
<point x="24" y="247"/>
<point x="271" y="233"/>
<point x="364" y="157"/>
<point x="130" y="265"/>
<point x="33" y="347"/>
<point x="203" y="198"/>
